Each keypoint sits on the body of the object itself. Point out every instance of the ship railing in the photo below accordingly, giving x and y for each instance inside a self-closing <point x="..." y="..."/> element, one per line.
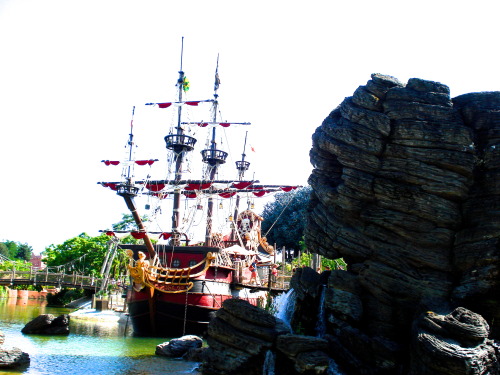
<point x="170" y="275"/>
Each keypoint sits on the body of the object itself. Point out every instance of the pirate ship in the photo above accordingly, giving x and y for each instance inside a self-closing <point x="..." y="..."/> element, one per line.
<point x="177" y="282"/>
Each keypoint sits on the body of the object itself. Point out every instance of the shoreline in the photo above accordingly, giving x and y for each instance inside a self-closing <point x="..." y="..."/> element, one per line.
<point x="106" y="316"/>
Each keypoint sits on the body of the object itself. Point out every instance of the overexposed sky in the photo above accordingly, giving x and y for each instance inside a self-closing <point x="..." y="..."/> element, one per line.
<point x="71" y="70"/>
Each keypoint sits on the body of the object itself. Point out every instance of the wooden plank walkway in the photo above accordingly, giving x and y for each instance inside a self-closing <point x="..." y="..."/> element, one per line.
<point x="46" y="278"/>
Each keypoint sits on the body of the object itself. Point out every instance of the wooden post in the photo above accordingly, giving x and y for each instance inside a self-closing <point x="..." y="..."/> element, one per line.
<point x="269" y="277"/>
<point x="46" y="274"/>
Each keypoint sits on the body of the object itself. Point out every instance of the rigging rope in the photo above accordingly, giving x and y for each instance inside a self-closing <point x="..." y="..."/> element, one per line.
<point x="275" y="221"/>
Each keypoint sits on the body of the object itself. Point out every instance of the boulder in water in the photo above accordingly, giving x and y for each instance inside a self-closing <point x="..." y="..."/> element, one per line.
<point x="11" y="357"/>
<point x="48" y="324"/>
<point x="178" y="347"/>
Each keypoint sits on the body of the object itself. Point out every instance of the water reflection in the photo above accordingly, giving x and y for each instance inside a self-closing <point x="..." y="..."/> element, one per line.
<point x="93" y="347"/>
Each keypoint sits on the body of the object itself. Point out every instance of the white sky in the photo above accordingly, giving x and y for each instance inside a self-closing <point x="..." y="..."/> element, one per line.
<point x="70" y="72"/>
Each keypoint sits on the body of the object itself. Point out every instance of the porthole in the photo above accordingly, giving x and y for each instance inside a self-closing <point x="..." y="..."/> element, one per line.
<point x="192" y="262"/>
<point x="176" y="263"/>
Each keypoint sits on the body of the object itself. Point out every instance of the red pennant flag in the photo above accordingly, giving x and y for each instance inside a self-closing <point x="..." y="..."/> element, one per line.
<point x="138" y="235"/>
<point x="109" y="185"/>
<point x="227" y="195"/>
<point x="198" y="186"/>
<point x="111" y="162"/>
<point x="165" y="235"/>
<point x="155" y="187"/>
<point x="242" y="185"/>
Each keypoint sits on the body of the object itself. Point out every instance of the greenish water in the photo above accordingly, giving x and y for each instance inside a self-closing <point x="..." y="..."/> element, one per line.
<point x="91" y="347"/>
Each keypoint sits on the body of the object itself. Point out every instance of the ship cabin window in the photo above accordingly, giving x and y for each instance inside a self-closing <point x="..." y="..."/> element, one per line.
<point x="192" y="262"/>
<point x="176" y="263"/>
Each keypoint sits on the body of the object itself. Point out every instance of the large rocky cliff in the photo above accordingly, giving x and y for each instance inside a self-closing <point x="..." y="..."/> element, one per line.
<point x="406" y="188"/>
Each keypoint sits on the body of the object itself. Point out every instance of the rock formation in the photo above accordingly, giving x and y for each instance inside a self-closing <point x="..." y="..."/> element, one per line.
<point x="241" y="336"/>
<point x="11" y="357"/>
<point x="406" y="188"/>
<point x="48" y="324"/>
<point x="178" y="347"/>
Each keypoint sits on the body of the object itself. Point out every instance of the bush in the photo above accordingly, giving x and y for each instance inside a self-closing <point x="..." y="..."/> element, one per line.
<point x="65" y="296"/>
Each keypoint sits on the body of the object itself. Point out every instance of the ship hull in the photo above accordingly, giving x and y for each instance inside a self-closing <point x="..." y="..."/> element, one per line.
<point x="173" y="315"/>
<point x="157" y="314"/>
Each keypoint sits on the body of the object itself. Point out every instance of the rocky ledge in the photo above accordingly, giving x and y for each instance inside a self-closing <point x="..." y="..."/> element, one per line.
<point x="406" y="188"/>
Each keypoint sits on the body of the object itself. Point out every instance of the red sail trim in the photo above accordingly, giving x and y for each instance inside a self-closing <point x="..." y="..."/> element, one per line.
<point x="224" y="124"/>
<point x="138" y="235"/>
<point x="190" y="195"/>
<point x="164" y="105"/>
<point x="155" y="187"/>
<point x="227" y="195"/>
<point x="144" y="162"/>
<point x="260" y="193"/>
<point x="111" y="162"/>
<point x="203" y="124"/>
<point x="288" y="188"/>
<point x="198" y="186"/>
<point x="192" y="103"/>
<point x="109" y="185"/>
<point x="242" y="185"/>
<point x="165" y="235"/>
<point x="110" y="233"/>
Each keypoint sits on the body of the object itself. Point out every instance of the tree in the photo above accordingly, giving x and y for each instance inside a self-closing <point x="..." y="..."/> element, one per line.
<point x="16" y="250"/>
<point x="24" y="251"/>
<point x="127" y="223"/>
<point x="83" y="254"/>
<point x="284" y="218"/>
<point x="4" y="250"/>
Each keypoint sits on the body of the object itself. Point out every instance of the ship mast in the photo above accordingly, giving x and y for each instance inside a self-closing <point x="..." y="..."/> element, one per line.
<point x="213" y="157"/>
<point x="242" y="166"/>
<point x="128" y="190"/>
<point x="180" y="144"/>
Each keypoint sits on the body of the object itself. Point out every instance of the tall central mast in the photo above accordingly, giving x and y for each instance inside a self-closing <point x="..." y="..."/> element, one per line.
<point x="179" y="143"/>
<point x="213" y="157"/>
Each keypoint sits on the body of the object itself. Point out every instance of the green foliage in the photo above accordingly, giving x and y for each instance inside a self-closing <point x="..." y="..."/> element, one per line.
<point x="286" y="215"/>
<point x="333" y="264"/>
<point x="16" y="250"/>
<point x="37" y="288"/>
<point x="128" y="223"/>
<point x="24" y="251"/>
<point x="83" y="254"/>
<point x="65" y="296"/>
<point x="19" y="265"/>
<point x="4" y="250"/>
<point x="305" y="259"/>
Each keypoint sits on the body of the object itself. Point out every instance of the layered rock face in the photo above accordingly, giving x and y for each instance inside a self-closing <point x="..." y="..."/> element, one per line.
<point x="242" y="337"/>
<point x="406" y="188"/>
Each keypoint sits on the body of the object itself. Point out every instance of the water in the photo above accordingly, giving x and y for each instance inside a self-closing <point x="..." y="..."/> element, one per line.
<point x="269" y="363"/>
<point x="321" y="323"/>
<point x="283" y="305"/>
<point x="91" y="348"/>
